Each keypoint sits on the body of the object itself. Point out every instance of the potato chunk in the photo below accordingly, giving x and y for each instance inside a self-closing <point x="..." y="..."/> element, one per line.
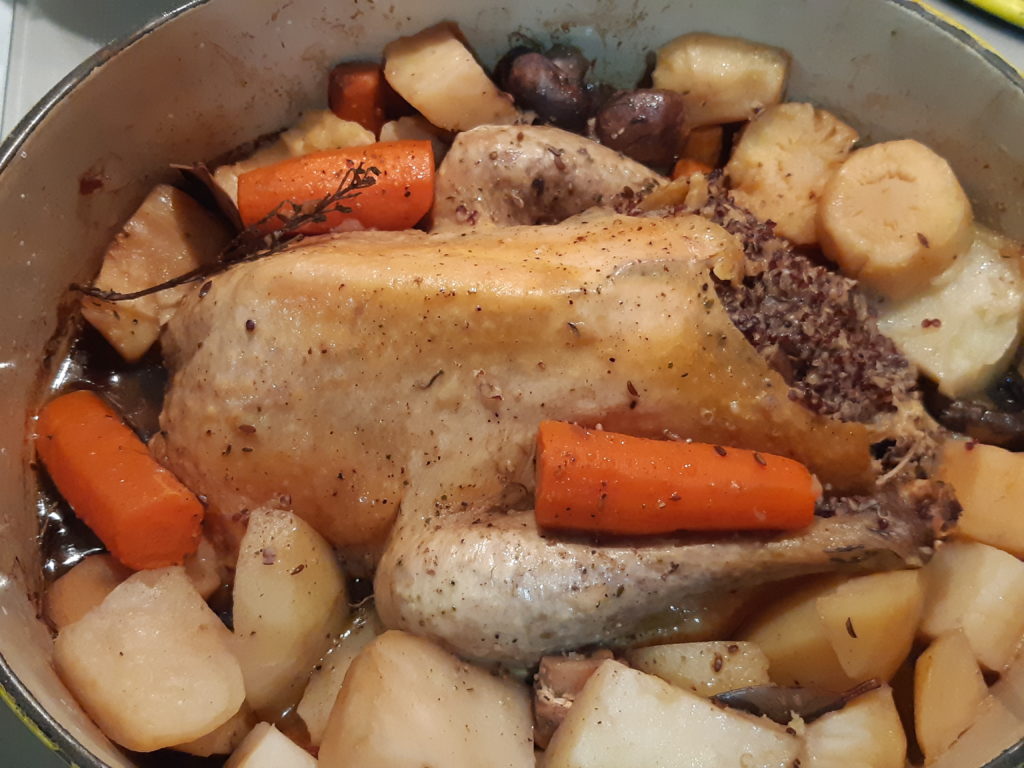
<point x="224" y="739"/>
<point x="948" y="691"/>
<point x="82" y="588"/>
<point x="989" y="483"/>
<point x="407" y="703"/>
<point x="866" y="733"/>
<point x="722" y="79"/>
<point x="628" y="719"/>
<point x="782" y="162"/>
<point x="267" y="747"/>
<point x="980" y="590"/>
<point x="435" y="72"/>
<point x="169" y="235"/>
<point x="151" y="664"/>
<point x="871" y="622"/>
<point x="290" y="601"/>
<point x="963" y="327"/>
<point x="704" y="668"/>
<point x="322" y="690"/>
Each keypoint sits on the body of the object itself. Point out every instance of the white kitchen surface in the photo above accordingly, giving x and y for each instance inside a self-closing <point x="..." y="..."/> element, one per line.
<point x="42" y="40"/>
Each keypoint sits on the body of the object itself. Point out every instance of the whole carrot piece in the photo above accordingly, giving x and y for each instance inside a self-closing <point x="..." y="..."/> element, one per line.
<point x="603" y="482"/>
<point x="139" y="510"/>
<point x="357" y="91"/>
<point x="401" y="196"/>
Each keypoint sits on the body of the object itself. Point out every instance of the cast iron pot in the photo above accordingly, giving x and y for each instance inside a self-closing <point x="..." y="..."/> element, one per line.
<point x="203" y="79"/>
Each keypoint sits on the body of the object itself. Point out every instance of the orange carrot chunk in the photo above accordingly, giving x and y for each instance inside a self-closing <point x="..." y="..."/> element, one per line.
<point x="687" y="166"/>
<point x="139" y="510"/>
<point x="357" y="91"/>
<point x="603" y="482"/>
<point x="401" y="196"/>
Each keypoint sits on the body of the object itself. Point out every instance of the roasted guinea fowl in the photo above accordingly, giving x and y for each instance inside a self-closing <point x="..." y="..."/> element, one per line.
<point x="361" y="378"/>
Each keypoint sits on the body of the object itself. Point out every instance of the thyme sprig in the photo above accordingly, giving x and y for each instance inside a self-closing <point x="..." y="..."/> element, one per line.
<point x="254" y="242"/>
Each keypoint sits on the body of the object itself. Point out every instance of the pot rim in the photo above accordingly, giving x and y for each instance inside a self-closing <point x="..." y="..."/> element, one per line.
<point x="18" y="698"/>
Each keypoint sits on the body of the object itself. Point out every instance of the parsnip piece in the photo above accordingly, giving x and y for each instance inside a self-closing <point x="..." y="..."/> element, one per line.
<point x="989" y="483"/>
<point x="948" y="691"/>
<point x="267" y="747"/>
<point x="995" y="729"/>
<point x="624" y="718"/>
<point x="722" y="79"/>
<point x="871" y="622"/>
<point x="894" y="217"/>
<point x="290" y="601"/>
<point x="415" y="128"/>
<point x="866" y="733"/>
<point x="169" y="235"/>
<point x="223" y="740"/>
<point x="704" y="668"/>
<point x="435" y="72"/>
<point x="980" y="590"/>
<point x="151" y="664"/>
<point x="322" y="689"/>
<point x="962" y="329"/>
<point x="407" y="703"/>
<point x="782" y="162"/>
<point x="82" y="588"/>
<point x="791" y="634"/>
<point x="206" y="568"/>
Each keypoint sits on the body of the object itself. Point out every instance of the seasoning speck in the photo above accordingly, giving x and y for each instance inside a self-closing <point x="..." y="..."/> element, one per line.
<point x="206" y="288"/>
<point x="269" y="555"/>
<point x="250" y="325"/>
<point x="849" y="628"/>
<point x="720" y="450"/>
<point x="760" y="459"/>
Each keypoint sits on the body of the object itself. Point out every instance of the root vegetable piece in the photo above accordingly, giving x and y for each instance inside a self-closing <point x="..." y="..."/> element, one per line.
<point x="290" y="601"/>
<point x="866" y="733"/>
<point x="980" y="590"/>
<point x="170" y="234"/>
<point x="782" y="162"/>
<point x="704" y="145"/>
<point x="400" y="196"/>
<point x="151" y="664"/>
<point x="322" y="690"/>
<point x="964" y="327"/>
<point x="948" y="691"/>
<point x="435" y="72"/>
<point x="321" y="130"/>
<point x="996" y="728"/>
<point x="82" y="588"/>
<point x="894" y="216"/>
<point x="416" y="128"/>
<point x="799" y="650"/>
<point x="871" y="622"/>
<point x="223" y="740"/>
<point x="989" y="484"/>
<point x="704" y="668"/>
<point x="206" y="568"/>
<point x="624" y="718"/>
<point x="407" y="703"/>
<point x="139" y="510"/>
<point x="356" y="92"/>
<point x="267" y="747"/>
<point x="686" y="167"/>
<point x="722" y="79"/>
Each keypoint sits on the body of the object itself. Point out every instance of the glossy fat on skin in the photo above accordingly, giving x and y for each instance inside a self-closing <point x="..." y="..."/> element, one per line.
<point x="379" y="363"/>
<point x="489" y="586"/>
<point x="505" y="175"/>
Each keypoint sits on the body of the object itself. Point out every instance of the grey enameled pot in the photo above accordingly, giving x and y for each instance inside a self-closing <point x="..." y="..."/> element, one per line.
<point x="199" y="81"/>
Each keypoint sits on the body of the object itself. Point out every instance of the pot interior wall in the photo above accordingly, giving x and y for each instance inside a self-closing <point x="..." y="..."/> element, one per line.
<point x="229" y="70"/>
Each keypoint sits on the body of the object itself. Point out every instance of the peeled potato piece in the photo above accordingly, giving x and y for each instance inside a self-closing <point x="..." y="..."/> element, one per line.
<point x="290" y="601"/>
<point x="704" y="668"/>
<point x="948" y="691"/>
<point x="783" y="160"/>
<point x="624" y="718"/>
<point x="894" y="216"/>
<point x="151" y="664"/>
<point x="225" y="739"/>
<point x="722" y="79"/>
<point x="866" y="733"/>
<point x="82" y="588"/>
<point x="979" y="589"/>
<point x="407" y="703"/>
<point x="267" y="747"/>
<point x="435" y="72"/>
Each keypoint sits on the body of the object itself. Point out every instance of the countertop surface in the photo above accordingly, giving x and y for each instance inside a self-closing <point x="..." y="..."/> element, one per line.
<point x="41" y="40"/>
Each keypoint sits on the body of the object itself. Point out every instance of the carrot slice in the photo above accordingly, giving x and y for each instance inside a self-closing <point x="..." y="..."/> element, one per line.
<point x="603" y="482"/>
<point x="401" y="196"/>
<point x="357" y="91"/>
<point x="687" y="166"/>
<point x="139" y="510"/>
